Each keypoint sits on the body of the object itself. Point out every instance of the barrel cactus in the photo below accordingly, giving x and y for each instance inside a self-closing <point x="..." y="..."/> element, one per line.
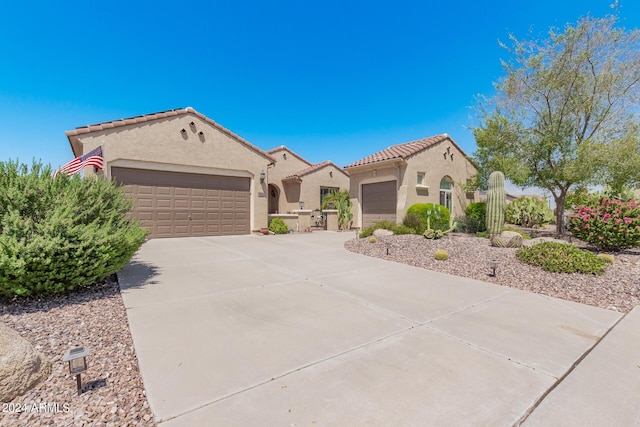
<point x="495" y="204"/>
<point x="441" y="255"/>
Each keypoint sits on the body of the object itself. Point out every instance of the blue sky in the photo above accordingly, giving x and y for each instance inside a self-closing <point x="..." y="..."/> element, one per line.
<point x="334" y="80"/>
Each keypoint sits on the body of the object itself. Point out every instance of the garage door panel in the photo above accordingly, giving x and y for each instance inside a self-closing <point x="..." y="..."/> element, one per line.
<point x="379" y="202"/>
<point x="178" y="204"/>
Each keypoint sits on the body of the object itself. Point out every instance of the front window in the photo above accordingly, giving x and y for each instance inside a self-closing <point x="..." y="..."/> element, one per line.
<point x="420" y="178"/>
<point x="446" y="199"/>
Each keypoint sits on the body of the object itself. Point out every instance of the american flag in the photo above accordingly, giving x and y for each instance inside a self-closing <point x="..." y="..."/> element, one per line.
<point x="92" y="158"/>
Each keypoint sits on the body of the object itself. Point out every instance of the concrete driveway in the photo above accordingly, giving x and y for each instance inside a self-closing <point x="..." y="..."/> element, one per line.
<point x="294" y="330"/>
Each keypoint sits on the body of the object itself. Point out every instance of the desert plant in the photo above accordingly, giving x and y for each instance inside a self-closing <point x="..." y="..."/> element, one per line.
<point x="341" y="200"/>
<point x="501" y="242"/>
<point x="610" y="259"/>
<point x="476" y="217"/>
<point x="561" y="258"/>
<point x="412" y="220"/>
<point x="441" y="255"/>
<point x="372" y="239"/>
<point x="607" y="224"/>
<point x="495" y="204"/>
<point x="432" y="215"/>
<point x="63" y="233"/>
<point x="524" y="235"/>
<point x="528" y="211"/>
<point x="278" y="226"/>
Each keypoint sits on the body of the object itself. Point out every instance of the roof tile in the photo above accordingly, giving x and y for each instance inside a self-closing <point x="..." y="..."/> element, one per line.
<point x="401" y="151"/>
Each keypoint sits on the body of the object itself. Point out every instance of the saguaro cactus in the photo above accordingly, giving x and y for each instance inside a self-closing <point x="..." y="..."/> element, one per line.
<point x="495" y="204"/>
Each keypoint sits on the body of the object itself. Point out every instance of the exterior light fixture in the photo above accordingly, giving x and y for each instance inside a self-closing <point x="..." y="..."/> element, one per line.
<point x="357" y="234"/>
<point x="301" y="203"/>
<point x="262" y="176"/>
<point x="331" y="174"/>
<point x="493" y="265"/>
<point x="387" y="245"/>
<point x="77" y="359"/>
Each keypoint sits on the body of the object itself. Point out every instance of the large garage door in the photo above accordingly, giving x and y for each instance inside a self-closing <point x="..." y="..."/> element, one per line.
<point x="173" y="204"/>
<point x="379" y="202"/>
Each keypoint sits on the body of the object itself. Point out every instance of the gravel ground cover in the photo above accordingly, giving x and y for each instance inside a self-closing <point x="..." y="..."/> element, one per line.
<point x="94" y="317"/>
<point x="617" y="289"/>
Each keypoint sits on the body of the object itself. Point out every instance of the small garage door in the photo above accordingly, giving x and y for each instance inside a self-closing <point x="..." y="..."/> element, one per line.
<point x="174" y="204"/>
<point x="379" y="202"/>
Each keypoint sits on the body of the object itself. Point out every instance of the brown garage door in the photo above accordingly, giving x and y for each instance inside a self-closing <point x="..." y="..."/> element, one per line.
<point x="379" y="202"/>
<point x="174" y="204"/>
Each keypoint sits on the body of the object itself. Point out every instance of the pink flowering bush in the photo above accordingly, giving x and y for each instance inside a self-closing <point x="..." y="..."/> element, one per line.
<point x="607" y="224"/>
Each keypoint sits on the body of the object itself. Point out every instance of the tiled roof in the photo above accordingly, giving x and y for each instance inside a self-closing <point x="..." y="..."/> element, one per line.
<point x="288" y="150"/>
<point x="402" y="151"/>
<point x="156" y="116"/>
<point x="314" y="168"/>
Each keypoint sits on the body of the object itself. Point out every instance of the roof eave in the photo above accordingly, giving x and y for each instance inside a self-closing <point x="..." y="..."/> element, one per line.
<point x="375" y="165"/>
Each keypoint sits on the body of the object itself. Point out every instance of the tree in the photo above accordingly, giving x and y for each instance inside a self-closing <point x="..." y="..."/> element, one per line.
<point x="565" y="112"/>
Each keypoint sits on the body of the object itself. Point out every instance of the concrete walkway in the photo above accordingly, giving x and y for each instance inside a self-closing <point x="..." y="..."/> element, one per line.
<point x="295" y="330"/>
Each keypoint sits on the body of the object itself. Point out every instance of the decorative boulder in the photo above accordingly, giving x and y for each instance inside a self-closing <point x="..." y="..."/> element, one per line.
<point x="21" y="366"/>
<point x="381" y="232"/>
<point x="507" y="239"/>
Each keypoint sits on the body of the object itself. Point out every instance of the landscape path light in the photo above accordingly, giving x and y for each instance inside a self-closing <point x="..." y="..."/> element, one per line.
<point x="77" y="359"/>
<point x="493" y="265"/>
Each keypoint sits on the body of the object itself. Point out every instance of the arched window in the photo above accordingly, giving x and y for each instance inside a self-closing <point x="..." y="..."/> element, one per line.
<point x="446" y="195"/>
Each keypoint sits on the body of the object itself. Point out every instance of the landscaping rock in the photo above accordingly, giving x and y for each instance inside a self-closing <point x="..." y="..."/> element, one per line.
<point x="381" y="232"/>
<point x="22" y="367"/>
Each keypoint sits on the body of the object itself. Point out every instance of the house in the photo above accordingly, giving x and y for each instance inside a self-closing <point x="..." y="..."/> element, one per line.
<point x="295" y="183"/>
<point x="430" y="170"/>
<point x="188" y="175"/>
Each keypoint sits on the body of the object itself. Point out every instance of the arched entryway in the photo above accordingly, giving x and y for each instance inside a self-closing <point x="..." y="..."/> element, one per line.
<point x="274" y="198"/>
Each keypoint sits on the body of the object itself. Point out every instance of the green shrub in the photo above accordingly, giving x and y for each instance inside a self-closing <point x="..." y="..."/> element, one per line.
<point x="386" y="225"/>
<point x="278" y="226"/>
<point x="607" y="224"/>
<point x="561" y="258"/>
<point x="441" y="255"/>
<point x="438" y="215"/>
<point x="528" y="211"/>
<point x="464" y="224"/>
<point x="413" y="221"/>
<point x="59" y="234"/>
<point x="475" y="214"/>
<point x="433" y="234"/>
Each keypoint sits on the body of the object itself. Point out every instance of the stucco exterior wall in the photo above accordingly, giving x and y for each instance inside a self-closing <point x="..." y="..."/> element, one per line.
<point x="161" y="145"/>
<point x="441" y="160"/>
<point x="308" y="189"/>
<point x="328" y="176"/>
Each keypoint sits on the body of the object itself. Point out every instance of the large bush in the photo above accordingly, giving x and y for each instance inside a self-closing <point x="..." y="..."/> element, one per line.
<point x="437" y="216"/>
<point x="58" y="234"/>
<point x="562" y="258"/>
<point x="528" y="211"/>
<point x="474" y="221"/>
<point x="607" y="224"/>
